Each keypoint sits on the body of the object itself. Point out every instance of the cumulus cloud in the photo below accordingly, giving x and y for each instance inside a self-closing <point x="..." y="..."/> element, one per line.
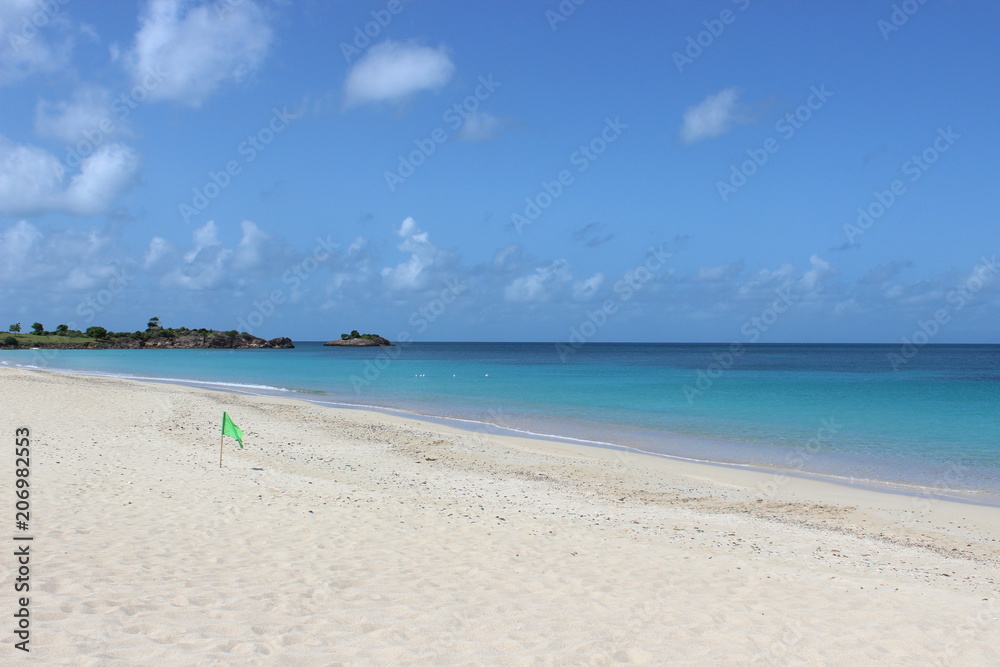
<point x="33" y="180"/>
<point x="411" y="274"/>
<point x="819" y="269"/>
<point x="206" y="263"/>
<point x="26" y="48"/>
<point x="392" y="71"/>
<point x="103" y="176"/>
<point x="714" y="116"/>
<point x="541" y="286"/>
<point x="197" y="50"/>
<point x="58" y="260"/>
<point x="68" y="121"/>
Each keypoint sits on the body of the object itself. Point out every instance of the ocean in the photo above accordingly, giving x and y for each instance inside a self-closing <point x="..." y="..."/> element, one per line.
<point x="923" y="420"/>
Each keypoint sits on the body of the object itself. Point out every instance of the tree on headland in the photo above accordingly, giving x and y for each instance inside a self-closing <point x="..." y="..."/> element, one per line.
<point x="62" y="328"/>
<point x="97" y="332"/>
<point x="10" y="341"/>
<point x="154" y="323"/>
<point x="16" y="328"/>
<point x="38" y="327"/>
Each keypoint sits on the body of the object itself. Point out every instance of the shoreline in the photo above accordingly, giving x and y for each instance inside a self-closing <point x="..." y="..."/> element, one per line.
<point x="981" y="497"/>
<point x="359" y="537"/>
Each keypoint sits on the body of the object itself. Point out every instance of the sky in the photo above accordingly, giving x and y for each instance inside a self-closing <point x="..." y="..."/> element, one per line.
<point x="720" y="171"/>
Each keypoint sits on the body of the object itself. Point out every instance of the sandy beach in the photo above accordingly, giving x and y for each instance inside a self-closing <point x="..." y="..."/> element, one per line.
<point x="356" y="537"/>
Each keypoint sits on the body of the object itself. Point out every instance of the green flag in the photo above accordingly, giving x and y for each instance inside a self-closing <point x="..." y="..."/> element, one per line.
<point x="231" y="429"/>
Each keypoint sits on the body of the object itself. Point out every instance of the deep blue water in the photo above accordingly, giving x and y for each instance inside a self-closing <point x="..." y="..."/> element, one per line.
<point x="841" y="410"/>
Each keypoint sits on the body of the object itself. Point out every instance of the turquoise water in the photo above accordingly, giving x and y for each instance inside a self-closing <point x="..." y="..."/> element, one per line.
<point x="838" y="410"/>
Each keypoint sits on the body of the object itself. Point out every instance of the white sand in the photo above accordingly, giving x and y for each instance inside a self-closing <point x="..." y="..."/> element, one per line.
<point x="342" y="536"/>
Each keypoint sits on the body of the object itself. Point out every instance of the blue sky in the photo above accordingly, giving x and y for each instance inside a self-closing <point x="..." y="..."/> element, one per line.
<point x="639" y="171"/>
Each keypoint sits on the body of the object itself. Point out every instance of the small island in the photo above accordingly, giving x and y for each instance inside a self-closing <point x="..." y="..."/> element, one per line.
<point x="355" y="339"/>
<point x="154" y="337"/>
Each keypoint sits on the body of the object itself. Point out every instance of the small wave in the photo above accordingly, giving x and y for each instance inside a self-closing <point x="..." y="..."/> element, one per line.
<point x="155" y="378"/>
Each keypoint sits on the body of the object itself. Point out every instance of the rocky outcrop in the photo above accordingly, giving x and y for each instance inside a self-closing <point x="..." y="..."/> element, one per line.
<point x="224" y="340"/>
<point x="374" y="341"/>
<point x="212" y="340"/>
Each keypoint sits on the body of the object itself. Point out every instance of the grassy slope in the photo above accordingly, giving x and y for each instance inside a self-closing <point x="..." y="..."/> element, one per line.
<point x="29" y="340"/>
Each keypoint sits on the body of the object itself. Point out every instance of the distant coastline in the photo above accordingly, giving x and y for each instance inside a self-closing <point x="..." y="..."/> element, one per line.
<point x="154" y="337"/>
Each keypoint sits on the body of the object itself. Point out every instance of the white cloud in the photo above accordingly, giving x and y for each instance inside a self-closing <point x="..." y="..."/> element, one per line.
<point x="252" y="246"/>
<point x="157" y="254"/>
<point x="25" y="47"/>
<point x="541" y="286"/>
<point x="33" y="180"/>
<point x="206" y="263"/>
<point x="411" y="274"/>
<point x="103" y="176"/>
<point x="392" y="71"/>
<point x="820" y="270"/>
<point x="718" y="273"/>
<point x="15" y="248"/>
<point x="481" y="126"/>
<point x="69" y="121"/>
<point x="584" y="290"/>
<point x="57" y="260"/>
<point x="714" y="116"/>
<point x="765" y="282"/>
<point x="198" y="49"/>
<point x="508" y="258"/>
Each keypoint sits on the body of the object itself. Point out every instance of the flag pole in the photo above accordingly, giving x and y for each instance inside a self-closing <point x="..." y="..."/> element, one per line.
<point x="220" y="449"/>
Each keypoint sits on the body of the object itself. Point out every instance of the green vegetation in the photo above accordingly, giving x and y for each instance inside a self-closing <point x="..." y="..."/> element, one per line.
<point x="63" y="335"/>
<point x="354" y="334"/>
<point x="31" y="340"/>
